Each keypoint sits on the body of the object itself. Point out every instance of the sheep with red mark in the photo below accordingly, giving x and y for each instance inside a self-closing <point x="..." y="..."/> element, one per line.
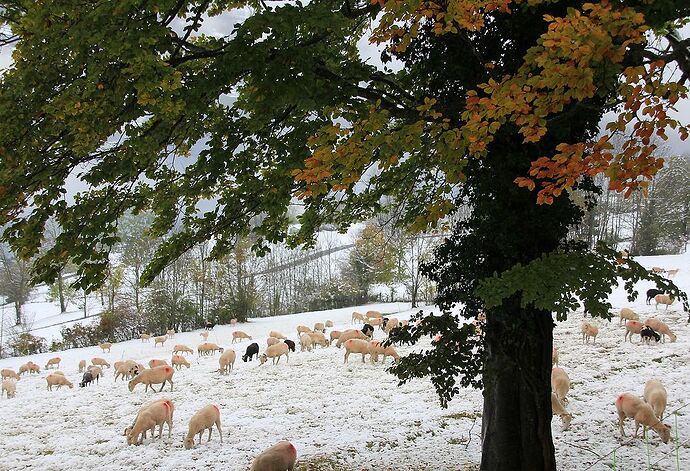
<point x="589" y="331"/>
<point x="279" y="457"/>
<point x="178" y="361"/>
<point x="356" y="346"/>
<point x="203" y="420"/>
<point x="633" y="328"/>
<point x="157" y="413"/>
<point x="158" y="375"/>
<point x="631" y="406"/>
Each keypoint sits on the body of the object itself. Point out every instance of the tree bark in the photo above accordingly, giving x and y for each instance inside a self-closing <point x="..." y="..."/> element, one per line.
<point x="516" y="425"/>
<point x="18" y="311"/>
<point x="61" y="294"/>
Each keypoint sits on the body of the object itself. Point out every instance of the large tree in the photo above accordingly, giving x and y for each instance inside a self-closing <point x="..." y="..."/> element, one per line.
<point x="473" y="103"/>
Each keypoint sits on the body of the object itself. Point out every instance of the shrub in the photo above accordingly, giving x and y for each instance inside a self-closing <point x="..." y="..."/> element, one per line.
<point x="27" y="344"/>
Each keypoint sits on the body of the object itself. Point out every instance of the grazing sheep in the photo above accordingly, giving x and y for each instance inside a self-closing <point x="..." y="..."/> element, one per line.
<point x="368" y="330"/>
<point x="204" y="335"/>
<point x="275" y="352"/>
<point x="145" y="337"/>
<point x="305" y="342"/>
<point x="320" y="327"/>
<point x="560" y="384"/>
<point x="160" y="340"/>
<point x="252" y="349"/>
<point x="374" y="314"/>
<point x="100" y="362"/>
<point x="24" y="369"/>
<point x="178" y="361"/>
<point x="627" y="314"/>
<point x="6" y="373"/>
<point x="663" y="299"/>
<point x="670" y="273"/>
<point x="291" y="345"/>
<point x="376" y="322"/>
<point x="156" y="362"/>
<point x="57" y="380"/>
<point x="208" y="348"/>
<point x="82" y="366"/>
<point x="558" y="409"/>
<point x="318" y="338"/>
<point x="589" y="331"/>
<point x="376" y="348"/>
<point x="658" y="270"/>
<point x="157" y="413"/>
<point x="86" y="380"/>
<point x="34" y="368"/>
<point x="280" y="457"/>
<point x="655" y="395"/>
<point x="124" y="369"/>
<point x="105" y="346"/>
<point x="554" y="356"/>
<point x="182" y="348"/>
<point x="334" y="335"/>
<point x="647" y="334"/>
<point x="95" y="371"/>
<point x="209" y="325"/>
<point x="356" y="316"/>
<point x="170" y="333"/>
<point x="303" y="329"/>
<point x="632" y="328"/>
<point x="9" y="388"/>
<point x="351" y="334"/>
<point x="227" y="361"/>
<point x="329" y="324"/>
<point x="157" y="375"/>
<point x="651" y="293"/>
<point x="238" y="335"/>
<point x="203" y="420"/>
<point x="272" y="341"/>
<point x="58" y="372"/>
<point x="391" y="324"/>
<point x="53" y="362"/>
<point x="630" y="406"/>
<point x="356" y="346"/>
<point x="276" y="335"/>
<point x="661" y="328"/>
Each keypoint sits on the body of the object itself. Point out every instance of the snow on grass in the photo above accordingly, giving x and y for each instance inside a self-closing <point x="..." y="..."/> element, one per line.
<point x="345" y="417"/>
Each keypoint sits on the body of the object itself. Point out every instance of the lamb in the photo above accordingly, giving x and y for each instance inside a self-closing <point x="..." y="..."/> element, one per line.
<point x="157" y="375"/>
<point x="238" y="334"/>
<point x="589" y="331"/>
<point x="208" y="348"/>
<point x="52" y="362"/>
<point x="663" y="299"/>
<point x="651" y="293"/>
<point x="160" y="340"/>
<point x="252" y="349"/>
<point x="560" y="384"/>
<point x="170" y="333"/>
<point x="203" y="420"/>
<point x="303" y="329"/>
<point x="276" y="335"/>
<point x="82" y="366"/>
<point x="647" y="334"/>
<point x="632" y="328"/>
<point x="9" y="388"/>
<point x="291" y="345"/>
<point x="627" y="314"/>
<point x="376" y="348"/>
<point x="86" y="380"/>
<point x="105" y="346"/>
<point x="558" y="409"/>
<point x="631" y="406"/>
<point x="156" y="413"/>
<point x="329" y="323"/>
<point x="9" y="373"/>
<point x="356" y="316"/>
<point x="145" y="337"/>
<point x="275" y="352"/>
<point x="182" y="348"/>
<point x="272" y="341"/>
<point x="655" y="395"/>
<point x="100" y="362"/>
<point x="334" y="335"/>
<point x="662" y="328"/>
<point x="356" y="346"/>
<point x="204" y="335"/>
<point x="57" y="380"/>
<point x="554" y="356"/>
<point x="279" y="457"/>
<point x="227" y="361"/>
<point x="319" y="326"/>
<point x="305" y="343"/>
<point x="318" y="338"/>
<point x="178" y="361"/>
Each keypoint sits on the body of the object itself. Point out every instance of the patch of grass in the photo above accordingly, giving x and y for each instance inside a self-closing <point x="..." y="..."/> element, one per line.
<point x="457" y="441"/>
<point x="380" y="444"/>
<point x="319" y="463"/>
<point x="463" y="415"/>
<point x="99" y="441"/>
<point x="658" y="360"/>
<point x="46" y="452"/>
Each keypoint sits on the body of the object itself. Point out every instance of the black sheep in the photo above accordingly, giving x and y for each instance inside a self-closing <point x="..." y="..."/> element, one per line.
<point x="86" y="379"/>
<point x="290" y="344"/>
<point x="647" y="333"/>
<point x="368" y="330"/>
<point x="210" y="325"/>
<point x="651" y="293"/>
<point x="252" y="350"/>
<point x="383" y="324"/>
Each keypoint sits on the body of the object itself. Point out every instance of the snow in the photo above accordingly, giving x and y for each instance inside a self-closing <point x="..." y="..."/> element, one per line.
<point x="346" y="417"/>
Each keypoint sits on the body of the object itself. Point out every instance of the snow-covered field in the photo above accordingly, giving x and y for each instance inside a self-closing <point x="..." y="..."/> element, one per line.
<point x="345" y="417"/>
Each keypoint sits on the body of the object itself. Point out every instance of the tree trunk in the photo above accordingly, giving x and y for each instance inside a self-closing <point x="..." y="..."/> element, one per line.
<point x="61" y="294"/>
<point x="516" y="425"/>
<point x="18" y="311"/>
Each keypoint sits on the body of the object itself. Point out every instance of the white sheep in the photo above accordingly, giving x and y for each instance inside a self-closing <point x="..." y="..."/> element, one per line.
<point x="182" y="348"/>
<point x="632" y="328"/>
<point x="170" y="333"/>
<point x="82" y="366"/>
<point x="100" y="362"/>
<point x="53" y="362"/>
<point x="208" y="348"/>
<point x="560" y="384"/>
<point x="105" y="346"/>
<point x="203" y="420"/>
<point x="204" y="335"/>
<point x="238" y="335"/>
<point x="391" y="324"/>
<point x="627" y="314"/>
<point x="157" y="375"/>
<point x="227" y="361"/>
<point x="157" y="413"/>
<point x="328" y="324"/>
<point x="655" y="395"/>
<point x="376" y="348"/>
<point x="319" y="326"/>
<point x="589" y="331"/>
<point x="558" y="409"/>
<point x="160" y="340"/>
<point x="374" y="314"/>
<point x="350" y="334"/>
<point x="663" y="299"/>
<point x="57" y="380"/>
<point x="9" y="388"/>
<point x="279" y="457"/>
<point x="157" y="362"/>
<point x="305" y="342"/>
<point x="145" y="337"/>
<point x="9" y="373"/>
<point x="317" y="338"/>
<point x="95" y="371"/>
<point x="179" y="361"/>
<point x="272" y="341"/>
<point x="303" y="329"/>
<point x="661" y="328"/>
<point x="356" y="316"/>
<point x="275" y="352"/>
<point x="276" y="335"/>
<point x="123" y="369"/>
<point x="630" y="406"/>
<point x="356" y="346"/>
<point x="334" y="335"/>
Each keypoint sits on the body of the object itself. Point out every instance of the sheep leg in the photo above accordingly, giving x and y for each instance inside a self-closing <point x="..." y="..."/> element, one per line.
<point x="621" y="417"/>
<point x="210" y="429"/>
<point x="347" y="354"/>
<point x="162" y="386"/>
<point x="220" y="432"/>
<point x="363" y="357"/>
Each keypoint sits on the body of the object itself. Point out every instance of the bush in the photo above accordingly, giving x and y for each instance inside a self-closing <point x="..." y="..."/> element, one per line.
<point x="27" y="344"/>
